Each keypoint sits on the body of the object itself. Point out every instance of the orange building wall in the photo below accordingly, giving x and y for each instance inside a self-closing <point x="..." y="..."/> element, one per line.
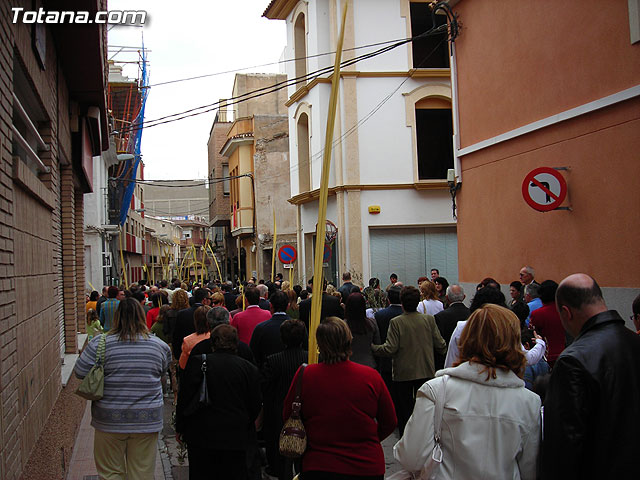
<point x="521" y="61"/>
<point x="498" y="232"/>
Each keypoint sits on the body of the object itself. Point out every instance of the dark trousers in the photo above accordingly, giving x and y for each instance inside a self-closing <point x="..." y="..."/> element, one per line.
<point x="405" y="400"/>
<point x="209" y="464"/>
<point x="388" y="381"/>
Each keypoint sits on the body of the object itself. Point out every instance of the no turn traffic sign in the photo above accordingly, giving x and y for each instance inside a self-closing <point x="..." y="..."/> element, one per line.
<point x="544" y="189"/>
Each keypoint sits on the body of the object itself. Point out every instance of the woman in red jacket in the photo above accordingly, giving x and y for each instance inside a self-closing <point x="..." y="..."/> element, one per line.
<point x="346" y="410"/>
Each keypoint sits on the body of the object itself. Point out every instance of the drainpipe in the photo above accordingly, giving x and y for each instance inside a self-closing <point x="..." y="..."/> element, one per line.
<point x="456" y="116"/>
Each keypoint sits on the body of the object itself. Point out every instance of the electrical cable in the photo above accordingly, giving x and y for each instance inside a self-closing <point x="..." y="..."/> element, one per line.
<point x="453" y="32"/>
<point x="363" y="120"/>
<point x="204" y="182"/>
<point x="277" y="86"/>
<point x="272" y="88"/>
<point x="316" y="155"/>
<point x="197" y="77"/>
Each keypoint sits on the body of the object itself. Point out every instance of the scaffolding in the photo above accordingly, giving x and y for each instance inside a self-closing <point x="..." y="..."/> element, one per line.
<point x="126" y="100"/>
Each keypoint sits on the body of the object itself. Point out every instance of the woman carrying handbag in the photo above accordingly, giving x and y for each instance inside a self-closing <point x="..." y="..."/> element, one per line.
<point x="216" y="420"/>
<point x="346" y="410"/>
<point x="128" y="415"/>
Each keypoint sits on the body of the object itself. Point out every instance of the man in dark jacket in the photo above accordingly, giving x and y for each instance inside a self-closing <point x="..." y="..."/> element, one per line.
<point x="229" y="297"/>
<point x="265" y="339"/>
<point x="447" y="319"/>
<point x="330" y="306"/>
<point x="591" y="420"/>
<point x="264" y="303"/>
<point x="347" y="285"/>
<point x="278" y="371"/>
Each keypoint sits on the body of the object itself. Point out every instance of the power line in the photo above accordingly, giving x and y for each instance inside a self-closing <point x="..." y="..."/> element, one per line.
<point x="202" y="182"/>
<point x="364" y="119"/>
<point x="197" y="77"/>
<point x="316" y="155"/>
<point x="277" y="86"/>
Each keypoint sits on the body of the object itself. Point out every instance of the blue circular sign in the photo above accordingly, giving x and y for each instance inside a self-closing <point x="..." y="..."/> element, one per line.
<point x="287" y="254"/>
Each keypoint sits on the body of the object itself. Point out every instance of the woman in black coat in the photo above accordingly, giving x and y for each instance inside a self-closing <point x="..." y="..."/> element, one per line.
<point x="218" y="433"/>
<point x="277" y="373"/>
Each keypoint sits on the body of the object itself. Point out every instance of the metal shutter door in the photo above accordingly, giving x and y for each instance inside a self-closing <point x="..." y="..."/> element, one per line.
<point x="412" y="252"/>
<point x="399" y="251"/>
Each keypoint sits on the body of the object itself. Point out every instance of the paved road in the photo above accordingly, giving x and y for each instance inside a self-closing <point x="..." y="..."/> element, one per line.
<point x="177" y="469"/>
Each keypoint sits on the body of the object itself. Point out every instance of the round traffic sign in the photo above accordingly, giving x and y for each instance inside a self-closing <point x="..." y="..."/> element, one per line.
<point x="544" y="189"/>
<point x="287" y="254"/>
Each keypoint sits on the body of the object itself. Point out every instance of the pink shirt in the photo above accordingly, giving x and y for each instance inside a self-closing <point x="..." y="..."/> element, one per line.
<point x="246" y="321"/>
<point x="188" y="343"/>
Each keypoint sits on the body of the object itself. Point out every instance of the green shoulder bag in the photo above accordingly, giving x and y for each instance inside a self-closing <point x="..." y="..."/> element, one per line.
<point x="92" y="386"/>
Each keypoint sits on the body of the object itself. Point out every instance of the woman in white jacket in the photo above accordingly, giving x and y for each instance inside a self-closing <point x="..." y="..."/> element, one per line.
<point x="490" y="423"/>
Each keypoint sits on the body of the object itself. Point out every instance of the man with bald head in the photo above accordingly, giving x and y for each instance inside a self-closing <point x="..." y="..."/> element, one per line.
<point x="591" y="420"/>
<point x="527" y="274"/>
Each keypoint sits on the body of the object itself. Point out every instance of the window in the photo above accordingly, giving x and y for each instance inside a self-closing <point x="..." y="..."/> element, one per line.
<point x="27" y="117"/>
<point x="431" y="51"/>
<point x="434" y="132"/>
<point x="304" y="174"/>
<point x="226" y="184"/>
<point x="300" y="46"/>
<point x="212" y="182"/>
<point x="235" y="197"/>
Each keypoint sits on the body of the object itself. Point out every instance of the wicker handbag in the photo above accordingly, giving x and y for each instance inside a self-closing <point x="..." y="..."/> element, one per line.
<point x="293" y="438"/>
<point x="92" y="386"/>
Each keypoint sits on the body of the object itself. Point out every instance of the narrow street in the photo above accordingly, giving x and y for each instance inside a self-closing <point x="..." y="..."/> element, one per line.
<point x="375" y="171"/>
<point x="171" y="462"/>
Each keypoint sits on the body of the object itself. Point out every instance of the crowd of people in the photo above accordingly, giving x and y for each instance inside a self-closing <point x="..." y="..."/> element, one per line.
<point x="501" y="372"/>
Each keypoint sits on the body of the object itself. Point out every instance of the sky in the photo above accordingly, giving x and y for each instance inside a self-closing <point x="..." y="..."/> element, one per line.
<point x="187" y="39"/>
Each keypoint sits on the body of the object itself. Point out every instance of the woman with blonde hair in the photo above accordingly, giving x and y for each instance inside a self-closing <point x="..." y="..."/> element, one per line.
<point x="346" y="410"/>
<point x="429" y="304"/>
<point x="217" y="300"/>
<point x="292" y="308"/>
<point x="179" y="301"/>
<point x="129" y="415"/>
<point x="490" y="425"/>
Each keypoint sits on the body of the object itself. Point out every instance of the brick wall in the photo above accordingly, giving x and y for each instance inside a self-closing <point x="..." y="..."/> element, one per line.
<point x="10" y="462"/>
<point x="81" y="300"/>
<point x="41" y="268"/>
<point x="68" y="209"/>
<point x="221" y="208"/>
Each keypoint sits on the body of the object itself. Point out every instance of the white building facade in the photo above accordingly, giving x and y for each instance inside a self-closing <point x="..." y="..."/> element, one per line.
<point x="97" y="231"/>
<point x="393" y="140"/>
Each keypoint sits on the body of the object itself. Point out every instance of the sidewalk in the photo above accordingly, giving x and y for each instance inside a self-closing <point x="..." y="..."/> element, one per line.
<point x="82" y="466"/>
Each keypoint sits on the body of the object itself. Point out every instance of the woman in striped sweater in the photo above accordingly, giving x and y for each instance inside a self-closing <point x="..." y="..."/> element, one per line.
<point x="128" y="417"/>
